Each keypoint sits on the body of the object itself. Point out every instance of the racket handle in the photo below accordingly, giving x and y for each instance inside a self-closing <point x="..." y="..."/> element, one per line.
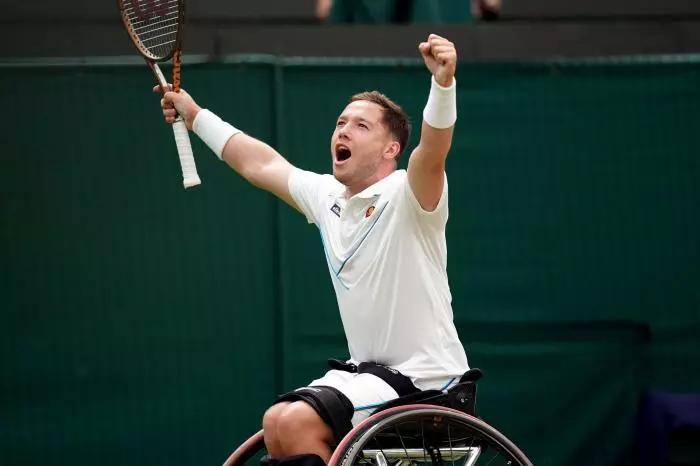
<point x="184" y="149"/>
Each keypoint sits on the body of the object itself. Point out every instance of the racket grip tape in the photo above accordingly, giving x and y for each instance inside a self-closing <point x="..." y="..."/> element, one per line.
<point x="184" y="149"/>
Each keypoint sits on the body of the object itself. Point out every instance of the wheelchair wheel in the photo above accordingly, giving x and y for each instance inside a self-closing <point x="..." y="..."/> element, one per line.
<point x="249" y="452"/>
<point x="413" y="435"/>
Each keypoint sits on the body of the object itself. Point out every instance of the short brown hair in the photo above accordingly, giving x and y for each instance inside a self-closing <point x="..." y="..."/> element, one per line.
<point x="395" y="119"/>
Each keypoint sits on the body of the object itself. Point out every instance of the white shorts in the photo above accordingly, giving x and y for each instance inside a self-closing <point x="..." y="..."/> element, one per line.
<point x="365" y="391"/>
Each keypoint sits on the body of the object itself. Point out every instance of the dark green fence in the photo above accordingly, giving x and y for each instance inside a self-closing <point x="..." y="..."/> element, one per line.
<point x="142" y="324"/>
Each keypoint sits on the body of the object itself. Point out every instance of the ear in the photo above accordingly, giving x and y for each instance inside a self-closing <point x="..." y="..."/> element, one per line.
<point x="392" y="150"/>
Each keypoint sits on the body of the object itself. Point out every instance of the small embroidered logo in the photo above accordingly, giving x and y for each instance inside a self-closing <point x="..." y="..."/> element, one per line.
<point x="369" y="211"/>
<point x="336" y="209"/>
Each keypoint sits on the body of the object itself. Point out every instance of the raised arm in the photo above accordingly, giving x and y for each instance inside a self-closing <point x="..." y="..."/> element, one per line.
<point x="426" y="167"/>
<point x="254" y="160"/>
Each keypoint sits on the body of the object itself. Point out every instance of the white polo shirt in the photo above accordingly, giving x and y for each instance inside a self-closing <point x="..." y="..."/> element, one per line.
<point x="388" y="262"/>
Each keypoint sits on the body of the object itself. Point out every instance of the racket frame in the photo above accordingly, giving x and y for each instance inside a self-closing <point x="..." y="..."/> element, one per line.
<point x="184" y="147"/>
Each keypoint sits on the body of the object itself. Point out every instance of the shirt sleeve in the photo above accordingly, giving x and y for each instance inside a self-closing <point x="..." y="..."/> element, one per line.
<point x="308" y="190"/>
<point x="436" y="218"/>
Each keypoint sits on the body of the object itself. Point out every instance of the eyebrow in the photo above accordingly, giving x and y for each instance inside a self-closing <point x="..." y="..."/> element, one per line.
<point x="365" y="120"/>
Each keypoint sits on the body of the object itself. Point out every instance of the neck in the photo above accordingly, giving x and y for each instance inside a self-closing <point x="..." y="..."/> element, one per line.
<point x="351" y="190"/>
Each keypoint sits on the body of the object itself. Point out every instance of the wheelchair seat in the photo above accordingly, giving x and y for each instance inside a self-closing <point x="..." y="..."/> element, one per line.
<point x="461" y="397"/>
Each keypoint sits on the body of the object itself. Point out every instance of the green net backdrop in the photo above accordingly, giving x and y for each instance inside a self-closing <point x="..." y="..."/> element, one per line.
<point x="145" y="324"/>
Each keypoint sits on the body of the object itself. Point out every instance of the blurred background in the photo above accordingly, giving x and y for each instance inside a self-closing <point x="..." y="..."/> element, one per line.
<point x="143" y="324"/>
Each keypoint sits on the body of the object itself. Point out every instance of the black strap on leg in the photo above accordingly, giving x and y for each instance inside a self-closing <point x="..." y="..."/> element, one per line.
<point x="331" y="404"/>
<point x="395" y="379"/>
<point x="339" y="365"/>
<point x="267" y="460"/>
<point x="309" y="459"/>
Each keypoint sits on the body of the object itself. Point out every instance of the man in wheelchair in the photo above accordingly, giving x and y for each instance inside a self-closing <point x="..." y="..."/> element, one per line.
<point x="383" y="233"/>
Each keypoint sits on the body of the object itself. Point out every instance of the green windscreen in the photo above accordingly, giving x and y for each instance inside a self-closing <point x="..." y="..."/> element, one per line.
<point x="146" y="324"/>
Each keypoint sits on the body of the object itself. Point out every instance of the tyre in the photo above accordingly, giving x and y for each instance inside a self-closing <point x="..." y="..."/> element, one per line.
<point x="249" y="452"/>
<point x="413" y="435"/>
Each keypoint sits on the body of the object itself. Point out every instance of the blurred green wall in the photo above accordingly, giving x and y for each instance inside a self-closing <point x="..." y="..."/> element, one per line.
<point x="145" y="324"/>
<point x="400" y="11"/>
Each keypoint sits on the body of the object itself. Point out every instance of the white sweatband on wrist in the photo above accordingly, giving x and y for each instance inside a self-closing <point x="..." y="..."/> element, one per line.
<point x="441" y="110"/>
<point x="214" y="131"/>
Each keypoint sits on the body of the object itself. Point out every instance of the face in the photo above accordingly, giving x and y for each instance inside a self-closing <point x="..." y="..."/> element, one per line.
<point x="361" y="145"/>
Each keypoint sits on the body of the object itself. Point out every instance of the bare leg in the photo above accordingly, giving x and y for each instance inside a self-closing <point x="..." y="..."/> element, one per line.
<point x="272" y="443"/>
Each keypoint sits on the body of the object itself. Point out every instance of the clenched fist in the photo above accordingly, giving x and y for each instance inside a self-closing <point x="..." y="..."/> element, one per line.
<point x="440" y="57"/>
<point x="178" y="103"/>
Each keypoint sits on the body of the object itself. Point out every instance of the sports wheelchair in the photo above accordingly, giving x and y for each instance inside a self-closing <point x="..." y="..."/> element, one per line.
<point x="431" y="428"/>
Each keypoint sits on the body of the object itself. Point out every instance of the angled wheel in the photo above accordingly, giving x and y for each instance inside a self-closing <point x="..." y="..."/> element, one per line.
<point x="249" y="452"/>
<point x="426" y="435"/>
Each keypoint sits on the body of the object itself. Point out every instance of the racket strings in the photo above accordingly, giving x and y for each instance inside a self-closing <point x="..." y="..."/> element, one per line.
<point x="155" y="23"/>
<point x="172" y="18"/>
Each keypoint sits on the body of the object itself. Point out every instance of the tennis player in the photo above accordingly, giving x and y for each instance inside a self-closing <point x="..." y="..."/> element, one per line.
<point x="383" y="232"/>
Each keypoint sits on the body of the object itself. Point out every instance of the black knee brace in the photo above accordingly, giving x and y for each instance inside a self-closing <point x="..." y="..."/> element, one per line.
<point x="302" y="460"/>
<point x="267" y="460"/>
<point x="335" y="409"/>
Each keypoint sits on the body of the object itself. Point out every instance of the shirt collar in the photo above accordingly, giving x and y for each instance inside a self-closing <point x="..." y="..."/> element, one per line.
<point x="369" y="192"/>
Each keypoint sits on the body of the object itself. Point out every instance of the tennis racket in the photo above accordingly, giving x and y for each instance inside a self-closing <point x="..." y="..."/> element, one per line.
<point x="155" y="27"/>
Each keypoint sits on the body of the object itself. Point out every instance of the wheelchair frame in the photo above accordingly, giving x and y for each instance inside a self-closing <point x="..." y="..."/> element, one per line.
<point x="435" y="409"/>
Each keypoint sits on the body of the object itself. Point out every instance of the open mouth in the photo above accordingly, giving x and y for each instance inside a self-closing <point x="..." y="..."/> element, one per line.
<point x="342" y="153"/>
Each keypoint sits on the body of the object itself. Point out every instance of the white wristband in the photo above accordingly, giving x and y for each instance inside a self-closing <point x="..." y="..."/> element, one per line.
<point x="441" y="110"/>
<point x="213" y="130"/>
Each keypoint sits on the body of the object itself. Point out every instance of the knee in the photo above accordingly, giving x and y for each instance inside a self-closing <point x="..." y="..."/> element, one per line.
<point x="300" y="419"/>
<point x="271" y="418"/>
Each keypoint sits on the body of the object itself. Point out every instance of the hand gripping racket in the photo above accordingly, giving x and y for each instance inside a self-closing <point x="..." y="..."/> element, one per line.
<point x="155" y="27"/>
